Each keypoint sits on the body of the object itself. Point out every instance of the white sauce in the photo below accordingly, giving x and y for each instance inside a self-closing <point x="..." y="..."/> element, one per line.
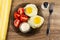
<point x="25" y="27"/>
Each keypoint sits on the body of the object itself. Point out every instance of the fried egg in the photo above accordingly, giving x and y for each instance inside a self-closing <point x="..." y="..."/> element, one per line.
<point x="36" y="21"/>
<point x="31" y="10"/>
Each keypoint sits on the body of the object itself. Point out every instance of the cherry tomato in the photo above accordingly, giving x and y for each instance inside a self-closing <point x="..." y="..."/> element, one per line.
<point x="16" y="15"/>
<point x="16" y="23"/>
<point x="24" y="18"/>
<point x="20" y="10"/>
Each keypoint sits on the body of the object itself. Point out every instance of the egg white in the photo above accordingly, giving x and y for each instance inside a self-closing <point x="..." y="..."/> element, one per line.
<point x="32" y="24"/>
<point x="34" y="10"/>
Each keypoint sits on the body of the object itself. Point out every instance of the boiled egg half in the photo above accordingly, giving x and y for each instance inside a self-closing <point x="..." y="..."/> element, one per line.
<point x="36" y="21"/>
<point x="31" y="10"/>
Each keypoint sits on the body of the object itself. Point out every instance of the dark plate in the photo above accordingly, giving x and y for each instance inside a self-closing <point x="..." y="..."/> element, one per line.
<point x="32" y="31"/>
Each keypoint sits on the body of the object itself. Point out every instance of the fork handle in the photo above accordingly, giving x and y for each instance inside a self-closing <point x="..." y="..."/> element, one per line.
<point x="48" y="26"/>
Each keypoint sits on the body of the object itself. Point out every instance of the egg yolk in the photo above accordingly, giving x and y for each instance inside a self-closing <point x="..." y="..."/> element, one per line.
<point x="37" y="20"/>
<point x="28" y="10"/>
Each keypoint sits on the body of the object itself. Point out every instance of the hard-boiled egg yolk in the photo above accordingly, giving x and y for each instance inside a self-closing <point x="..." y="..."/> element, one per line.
<point x="37" y="20"/>
<point x="28" y="10"/>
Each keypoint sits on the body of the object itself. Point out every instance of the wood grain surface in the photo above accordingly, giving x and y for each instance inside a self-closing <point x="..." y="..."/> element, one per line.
<point x="40" y="35"/>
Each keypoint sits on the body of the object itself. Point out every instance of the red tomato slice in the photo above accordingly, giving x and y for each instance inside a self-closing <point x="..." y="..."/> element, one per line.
<point x="16" y="15"/>
<point x="24" y="18"/>
<point x="20" y="10"/>
<point x="16" y="23"/>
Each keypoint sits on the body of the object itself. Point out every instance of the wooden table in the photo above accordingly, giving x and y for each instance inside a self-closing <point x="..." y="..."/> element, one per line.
<point x="41" y="35"/>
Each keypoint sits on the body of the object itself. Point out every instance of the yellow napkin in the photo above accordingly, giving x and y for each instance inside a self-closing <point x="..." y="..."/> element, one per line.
<point x="5" y="6"/>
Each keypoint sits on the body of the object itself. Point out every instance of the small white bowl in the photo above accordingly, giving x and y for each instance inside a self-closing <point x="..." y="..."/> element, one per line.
<point x="45" y="8"/>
